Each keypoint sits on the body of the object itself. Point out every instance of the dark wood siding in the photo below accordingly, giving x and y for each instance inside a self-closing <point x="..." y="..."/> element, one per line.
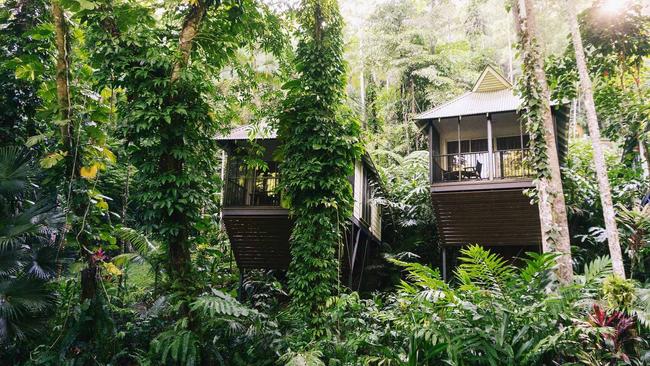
<point x="488" y="218"/>
<point x="259" y="237"/>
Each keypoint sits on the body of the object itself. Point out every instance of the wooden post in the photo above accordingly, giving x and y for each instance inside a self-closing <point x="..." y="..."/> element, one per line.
<point x="460" y="174"/>
<point x="521" y="142"/>
<point x="490" y="147"/>
<point x="444" y="263"/>
<point x="431" y="157"/>
<point x="223" y="178"/>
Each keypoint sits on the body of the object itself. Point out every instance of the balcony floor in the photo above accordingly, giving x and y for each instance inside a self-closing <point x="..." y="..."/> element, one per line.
<point x="481" y="185"/>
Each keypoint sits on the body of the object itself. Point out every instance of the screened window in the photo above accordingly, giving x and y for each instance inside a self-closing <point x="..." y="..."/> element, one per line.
<point x="249" y="186"/>
<point x="478" y="145"/>
<point x="512" y="142"/>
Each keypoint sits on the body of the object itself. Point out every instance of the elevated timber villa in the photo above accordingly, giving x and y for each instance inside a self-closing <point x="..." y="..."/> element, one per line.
<point x="258" y="224"/>
<point x="478" y="170"/>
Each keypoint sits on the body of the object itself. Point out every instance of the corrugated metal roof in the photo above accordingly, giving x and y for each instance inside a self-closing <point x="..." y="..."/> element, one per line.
<point x="475" y="103"/>
<point x="244" y="133"/>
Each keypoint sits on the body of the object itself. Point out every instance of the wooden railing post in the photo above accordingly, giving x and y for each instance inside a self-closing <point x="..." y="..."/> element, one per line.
<point x="431" y="155"/>
<point x="460" y="173"/>
<point x="490" y="147"/>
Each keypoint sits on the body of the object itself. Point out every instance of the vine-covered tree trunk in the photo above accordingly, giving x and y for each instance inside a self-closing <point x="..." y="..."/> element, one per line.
<point x="171" y="164"/>
<point x="62" y="72"/>
<point x="190" y="29"/>
<point x="89" y="274"/>
<point x="320" y="143"/>
<point x="594" y="132"/>
<point x="540" y="125"/>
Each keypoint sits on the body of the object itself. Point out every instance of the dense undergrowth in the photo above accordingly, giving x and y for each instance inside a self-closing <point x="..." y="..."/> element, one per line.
<point x="490" y="312"/>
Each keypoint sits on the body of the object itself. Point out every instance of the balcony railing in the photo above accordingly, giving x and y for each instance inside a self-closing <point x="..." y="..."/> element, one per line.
<point x="252" y="190"/>
<point x="476" y="166"/>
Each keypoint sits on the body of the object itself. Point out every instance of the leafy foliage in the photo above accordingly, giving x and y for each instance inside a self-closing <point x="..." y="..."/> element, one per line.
<point x="140" y="187"/>
<point x="320" y="142"/>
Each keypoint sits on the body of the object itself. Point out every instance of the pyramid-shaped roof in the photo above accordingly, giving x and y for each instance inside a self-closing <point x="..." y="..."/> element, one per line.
<point x="491" y="93"/>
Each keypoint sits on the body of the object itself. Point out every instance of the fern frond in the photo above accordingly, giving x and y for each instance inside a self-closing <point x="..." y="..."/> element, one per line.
<point x="220" y="304"/>
<point x="596" y="271"/>
<point x="140" y="242"/>
<point x="642" y="308"/>
<point x="304" y="358"/>
<point x="483" y="269"/>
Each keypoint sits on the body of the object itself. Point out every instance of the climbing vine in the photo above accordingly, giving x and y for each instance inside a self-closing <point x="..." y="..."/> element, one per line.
<point x="532" y="107"/>
<point x="320" y="141"/>
<point x="174" y="105"/>
<point x="535" y="97"/>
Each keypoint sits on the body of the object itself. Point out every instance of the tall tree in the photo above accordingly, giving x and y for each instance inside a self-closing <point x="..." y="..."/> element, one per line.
<point x="83" y="152"/>
<point x="539" y="123"/>
<point x="594" y="132"/>
<point x="320" y="142"/>
<point x="89" y="274"/>
<point x="62" y="72"/>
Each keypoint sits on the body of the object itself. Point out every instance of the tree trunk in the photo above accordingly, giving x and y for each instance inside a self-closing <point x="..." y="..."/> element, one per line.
<point x="62" y="72"/>
<point x="190" y="29"/>
<point x="553" y="217"/>
<point x="594" y="133"/>
<point x="645" y="158"/>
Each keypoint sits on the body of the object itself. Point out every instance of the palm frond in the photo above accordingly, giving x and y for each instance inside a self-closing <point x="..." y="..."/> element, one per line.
<point x="16" y="170"/>
<point x="642" y="307"/>
<point x="25" y="302"/>
<point x="538" y="272"/>
<point x="44" y="261"/>
<point x="178" y="345"/>
<point x="11" y="259"/>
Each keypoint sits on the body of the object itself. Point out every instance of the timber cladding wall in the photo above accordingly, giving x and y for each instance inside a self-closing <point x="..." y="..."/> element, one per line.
<point x="375" y="221"/>
<point x="488" y="218"/>
<point x="260" y="241"/>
